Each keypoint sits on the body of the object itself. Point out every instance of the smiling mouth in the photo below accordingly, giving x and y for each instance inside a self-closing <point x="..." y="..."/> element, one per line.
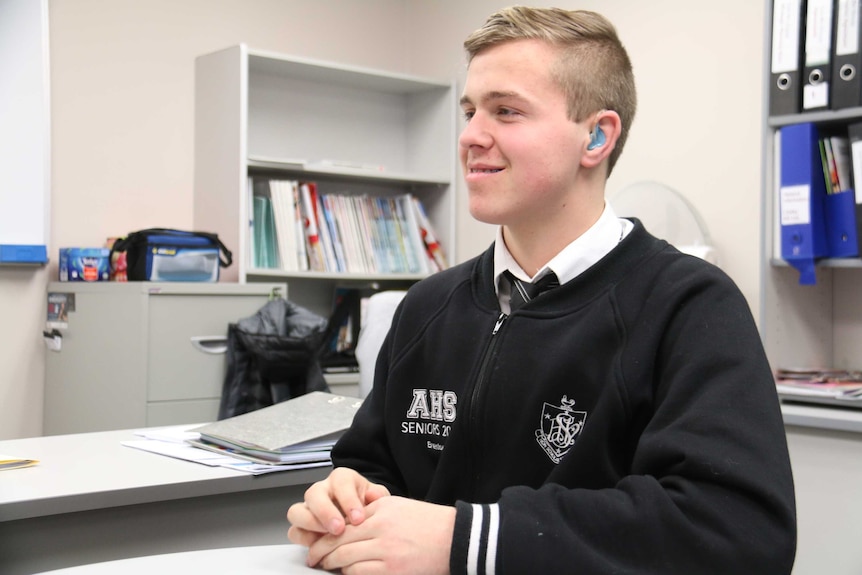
<point x="491" y="171"/>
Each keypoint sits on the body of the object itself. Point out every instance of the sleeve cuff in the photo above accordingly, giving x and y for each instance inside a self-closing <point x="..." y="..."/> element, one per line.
<point x="474" y="540"/>
<point x="460" y="538"/>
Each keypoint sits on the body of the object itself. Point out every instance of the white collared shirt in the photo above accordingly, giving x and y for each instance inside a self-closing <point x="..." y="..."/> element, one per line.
<point x="574" y="259"/>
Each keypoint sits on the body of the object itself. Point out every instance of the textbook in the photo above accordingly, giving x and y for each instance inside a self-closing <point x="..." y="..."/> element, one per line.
<point x="299" y="430"/>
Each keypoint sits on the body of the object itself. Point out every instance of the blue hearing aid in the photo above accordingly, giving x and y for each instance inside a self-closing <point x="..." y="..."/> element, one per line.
<point x="597" y="138"/>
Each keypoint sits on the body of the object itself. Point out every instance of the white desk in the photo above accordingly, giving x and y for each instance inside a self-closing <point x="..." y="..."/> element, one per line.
<point x="91" y="499"/>
<point x="258" y="560"/>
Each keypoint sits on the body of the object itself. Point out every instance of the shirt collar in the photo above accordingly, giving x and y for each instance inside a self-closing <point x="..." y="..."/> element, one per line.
<point x="575" y="258"/>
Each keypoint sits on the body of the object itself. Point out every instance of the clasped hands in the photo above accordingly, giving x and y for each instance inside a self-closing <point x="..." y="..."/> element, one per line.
<point x="351" y="524"/>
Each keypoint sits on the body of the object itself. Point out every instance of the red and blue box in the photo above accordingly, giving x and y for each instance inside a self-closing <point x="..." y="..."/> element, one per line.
<point x="85" y="264"/>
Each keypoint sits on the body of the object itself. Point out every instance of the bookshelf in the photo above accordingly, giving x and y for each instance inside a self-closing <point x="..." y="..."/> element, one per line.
<point x="261" y="114"/>
<point x="813" y="326"/>
<point x="805" y="325"/>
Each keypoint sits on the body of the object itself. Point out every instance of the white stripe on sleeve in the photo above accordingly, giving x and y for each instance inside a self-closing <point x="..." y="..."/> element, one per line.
<point x="493" y="530"/>
<point x="475" y="541"/>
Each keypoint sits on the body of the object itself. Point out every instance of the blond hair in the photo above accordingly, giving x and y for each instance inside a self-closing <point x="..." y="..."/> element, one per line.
<point x="593" y="70"/>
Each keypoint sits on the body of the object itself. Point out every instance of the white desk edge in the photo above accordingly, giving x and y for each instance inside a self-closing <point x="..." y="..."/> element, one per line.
<point x="87" y="471"/>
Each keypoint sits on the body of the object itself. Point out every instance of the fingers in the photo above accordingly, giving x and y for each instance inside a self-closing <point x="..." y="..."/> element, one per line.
<point x="299" y="536"/>
<point x="399" y="536"/>
<point x="347" y="557"/>
<point x="300" y="516"/>
<point x="337" y="497"/>
<point x="330" y="504"/>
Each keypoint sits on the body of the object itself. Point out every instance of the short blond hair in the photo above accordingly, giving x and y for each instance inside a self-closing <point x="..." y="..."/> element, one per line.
<point x="594" y="70"/>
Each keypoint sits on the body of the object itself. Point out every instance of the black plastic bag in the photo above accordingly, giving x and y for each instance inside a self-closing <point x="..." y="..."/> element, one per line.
<point x="272" y="356"/>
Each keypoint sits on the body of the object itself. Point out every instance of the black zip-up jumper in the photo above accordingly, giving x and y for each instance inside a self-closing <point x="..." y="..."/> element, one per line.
<point x="625" y="422"/>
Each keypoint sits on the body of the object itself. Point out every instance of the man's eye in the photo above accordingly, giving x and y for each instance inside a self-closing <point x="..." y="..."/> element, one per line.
<point x="468" y="115"/>
<point x="506" y="112"/>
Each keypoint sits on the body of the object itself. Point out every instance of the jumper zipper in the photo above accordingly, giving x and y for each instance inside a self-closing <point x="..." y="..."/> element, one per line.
<point x="487" y="358"/>
<point x="490" y="353"/>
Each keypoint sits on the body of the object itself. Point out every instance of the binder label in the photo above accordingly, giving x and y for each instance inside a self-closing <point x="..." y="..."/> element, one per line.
<point x="795" y="205"/>
<point x="856" y="158"/>
<point x="815" y="95"/>
<point x="785" y="36"/>
<point x="847" y="30"/>
<point x="818" y="32"/>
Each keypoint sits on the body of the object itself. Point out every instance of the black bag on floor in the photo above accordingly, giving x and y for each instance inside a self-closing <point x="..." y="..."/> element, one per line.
<point x="272" y="356"/>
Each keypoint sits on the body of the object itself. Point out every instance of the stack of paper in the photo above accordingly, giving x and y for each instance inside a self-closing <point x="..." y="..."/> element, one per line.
<point x="174" y="442"/>
<point x="300" y="430"/>
<point x="811" y="383"/>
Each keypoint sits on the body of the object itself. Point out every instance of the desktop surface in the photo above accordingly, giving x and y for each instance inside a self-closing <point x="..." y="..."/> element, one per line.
<point x="92" y="499"/>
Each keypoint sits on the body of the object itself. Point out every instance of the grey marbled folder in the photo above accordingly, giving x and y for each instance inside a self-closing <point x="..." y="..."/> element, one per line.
<point x="310" y="422"/>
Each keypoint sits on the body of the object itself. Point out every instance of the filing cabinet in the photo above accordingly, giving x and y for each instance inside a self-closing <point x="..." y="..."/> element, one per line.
<point x="140" y="354"/>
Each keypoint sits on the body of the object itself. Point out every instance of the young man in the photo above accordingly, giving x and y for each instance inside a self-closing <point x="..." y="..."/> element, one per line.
<point x="625" y="421"/>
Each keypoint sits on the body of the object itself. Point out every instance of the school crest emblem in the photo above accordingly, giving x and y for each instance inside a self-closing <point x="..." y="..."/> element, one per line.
<point x="559" y="428"/>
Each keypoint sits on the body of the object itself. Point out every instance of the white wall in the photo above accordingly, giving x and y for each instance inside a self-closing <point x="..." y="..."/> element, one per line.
<point x="122" y="135"/>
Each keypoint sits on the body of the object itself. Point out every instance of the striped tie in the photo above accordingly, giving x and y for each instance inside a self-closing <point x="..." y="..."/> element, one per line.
<point x="522" y="292"/>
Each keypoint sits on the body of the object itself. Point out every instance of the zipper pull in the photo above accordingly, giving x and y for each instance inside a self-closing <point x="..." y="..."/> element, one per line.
<point x="499" y="323"/>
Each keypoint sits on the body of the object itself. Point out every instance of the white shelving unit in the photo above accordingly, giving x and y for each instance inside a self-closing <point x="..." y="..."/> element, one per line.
<point x="264" y="114"/>
<point x="813" y="326"/>
<point x="808" y="325"/>
<point x="805" y="325"/>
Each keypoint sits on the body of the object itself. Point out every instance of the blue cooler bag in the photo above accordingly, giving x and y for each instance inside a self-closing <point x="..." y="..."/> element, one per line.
<point x="166" y="255"/>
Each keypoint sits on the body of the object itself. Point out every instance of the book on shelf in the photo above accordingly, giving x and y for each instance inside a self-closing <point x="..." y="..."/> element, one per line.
<point x="295" y="227"/>
<point x="362" y="224"/>
<point x="301" y="429"/>
<point x="436" y="255"/>
<point x="840" y="201"/>
<point x="284" y="196"/>
<point x="841" y="157"/>
<point x="334" y="232"/>
<point x="349" y="235"/>
<point x="323" y="229"/>
<point x="383" y="220"/>
<point x="408" y="234"/>
<point x="373" y="234"/>
<point x="371" y="244"/>
<point x="316" y="261"/>
<point x="301" y="245"/>
<point x="264" y="243"/>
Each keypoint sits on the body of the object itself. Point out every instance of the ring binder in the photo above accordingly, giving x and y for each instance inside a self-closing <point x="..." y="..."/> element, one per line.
<point x="785" y="94"/>
<point x="847" y="55"/>
<point x="818" y="52"/>
<point x="801" y="200"/>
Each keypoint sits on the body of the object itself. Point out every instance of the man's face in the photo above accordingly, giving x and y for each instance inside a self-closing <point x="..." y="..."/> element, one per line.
<point x="519" y="151"/>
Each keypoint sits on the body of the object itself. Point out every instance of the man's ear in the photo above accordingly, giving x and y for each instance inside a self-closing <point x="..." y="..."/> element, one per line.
<point x="601" y="139"/>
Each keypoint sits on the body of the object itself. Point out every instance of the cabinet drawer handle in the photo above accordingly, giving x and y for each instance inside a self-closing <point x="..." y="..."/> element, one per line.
<point x="214" y="344"/>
